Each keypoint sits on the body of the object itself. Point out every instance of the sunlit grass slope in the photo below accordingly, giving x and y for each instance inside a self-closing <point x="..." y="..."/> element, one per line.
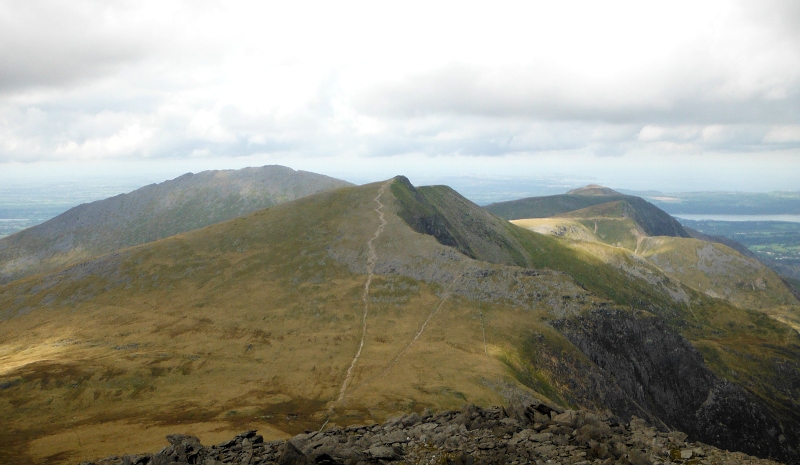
<point x="258" y="323"/>
<point x="719" y="271"/>
<point x="254" y="323"/>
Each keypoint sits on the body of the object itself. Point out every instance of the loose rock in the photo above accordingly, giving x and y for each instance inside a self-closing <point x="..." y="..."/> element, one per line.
<point x="522" y="434"/>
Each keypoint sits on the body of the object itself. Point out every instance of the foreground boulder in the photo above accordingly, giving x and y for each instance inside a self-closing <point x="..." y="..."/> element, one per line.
<point x="532" y="433"/>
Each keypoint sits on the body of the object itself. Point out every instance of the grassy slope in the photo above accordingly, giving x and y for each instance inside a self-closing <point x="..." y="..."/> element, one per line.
<point x="748" y="344"/>
<point x="253" y="323"/>
<point x="239" y="324"/>
<point x="651" y="219"/>
<point x="613" y="223"/>
<point x="150" y="213"/>
<point x="719" y="271"/>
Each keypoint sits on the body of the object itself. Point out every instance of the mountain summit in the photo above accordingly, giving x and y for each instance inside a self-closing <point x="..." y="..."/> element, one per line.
<point x="652" y="220"/>
<point x="153" y="212"/>
<point x="355" y="304"/>
<point x="593" y="189"/>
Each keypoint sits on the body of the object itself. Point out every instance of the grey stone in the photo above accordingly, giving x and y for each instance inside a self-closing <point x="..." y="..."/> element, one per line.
<point x="385" y="452"/>
<point x="395" y="436"/>
<point x="411" y="419"/>
<point x="291" y="455"/>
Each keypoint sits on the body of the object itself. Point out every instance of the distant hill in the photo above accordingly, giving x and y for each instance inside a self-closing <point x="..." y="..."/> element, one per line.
<point x="726" y="203"/>
<point x="153" y="212"/>
<point x="716" y="266"/>
<point x="353" y="304"/>
<point x="652" y="220"/>
<point x="735" y="245"/>
<point x="593" y="189"/>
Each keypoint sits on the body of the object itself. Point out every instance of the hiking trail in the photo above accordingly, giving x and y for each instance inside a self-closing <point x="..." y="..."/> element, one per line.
<point x="372" y="258"/>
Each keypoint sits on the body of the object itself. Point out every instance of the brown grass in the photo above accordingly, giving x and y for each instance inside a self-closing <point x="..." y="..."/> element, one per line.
<point x="252" y="324"/>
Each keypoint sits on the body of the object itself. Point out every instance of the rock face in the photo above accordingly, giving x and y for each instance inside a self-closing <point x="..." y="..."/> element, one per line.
<point x="666" y="378"/>
<point x="522" y="433"/>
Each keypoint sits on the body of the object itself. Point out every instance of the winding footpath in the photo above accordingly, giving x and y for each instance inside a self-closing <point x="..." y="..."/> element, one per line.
<point x="372" y="258"/>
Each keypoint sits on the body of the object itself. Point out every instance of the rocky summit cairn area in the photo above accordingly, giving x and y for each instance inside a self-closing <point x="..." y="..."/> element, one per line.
<point x="519" y="434"/>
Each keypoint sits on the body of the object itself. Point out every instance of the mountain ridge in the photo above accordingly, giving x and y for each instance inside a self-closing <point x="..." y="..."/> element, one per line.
<point x="651" y="219"/>
<point x="334" y="308"/>
<point x="152" y="212"/>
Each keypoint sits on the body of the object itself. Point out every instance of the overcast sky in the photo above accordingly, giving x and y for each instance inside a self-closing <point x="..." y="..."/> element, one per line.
<point x="665" y="95"/>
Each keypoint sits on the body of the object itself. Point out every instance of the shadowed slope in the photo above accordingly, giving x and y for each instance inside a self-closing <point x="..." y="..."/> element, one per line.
<point x="150" y="213"/>
<point x="455" y="221"/>
<point x="260" y="321"/>
<point x="652" y="220"/>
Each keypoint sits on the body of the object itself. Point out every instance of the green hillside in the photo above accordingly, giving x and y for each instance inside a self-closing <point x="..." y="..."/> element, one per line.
<point x="355" y="304"/>
<point x="151" y="213"/>
<point x="717" y="267"/>
<point x="721" y="272"/>
<point x="652" y="220"/>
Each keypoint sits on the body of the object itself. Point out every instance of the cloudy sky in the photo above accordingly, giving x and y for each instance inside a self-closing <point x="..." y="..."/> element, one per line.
<point x="666" y="95"/>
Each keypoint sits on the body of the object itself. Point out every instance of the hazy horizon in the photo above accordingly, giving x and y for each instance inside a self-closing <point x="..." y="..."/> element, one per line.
<point x="667" y="96"/>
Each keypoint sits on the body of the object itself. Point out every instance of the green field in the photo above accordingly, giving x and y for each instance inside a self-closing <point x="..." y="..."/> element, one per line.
<point x="23" y="205"/>
<point x="777" y="243"/>
<point x="726" y="203"/>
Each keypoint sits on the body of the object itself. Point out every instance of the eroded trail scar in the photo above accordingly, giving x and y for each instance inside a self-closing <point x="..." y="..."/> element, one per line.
<point x="427" y="320"/>
<point x="372" y="257"/>
<point x="418" y="334"/>
<point x="483" y="329"/>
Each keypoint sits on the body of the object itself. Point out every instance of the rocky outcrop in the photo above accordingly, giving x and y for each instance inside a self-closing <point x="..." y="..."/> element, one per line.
<point x="662" y="374"/>
<point x="454" y="221"/>
<point x="532" y="433"/>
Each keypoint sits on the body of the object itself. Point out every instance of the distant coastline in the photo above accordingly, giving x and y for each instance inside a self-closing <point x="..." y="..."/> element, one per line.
<point x="715" y="217"/>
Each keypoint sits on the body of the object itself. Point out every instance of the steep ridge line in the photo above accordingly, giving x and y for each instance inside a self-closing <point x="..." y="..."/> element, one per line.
<point x="372" y="258"/>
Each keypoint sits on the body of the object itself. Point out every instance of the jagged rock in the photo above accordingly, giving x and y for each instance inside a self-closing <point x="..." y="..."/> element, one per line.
<point x="411" y="419"/>
<point x="385" y="452"/>
<point x="247" y="434"/>
<point x="568" y="418"/>
<point x="291" y="455"/>
<point x="469" y="436"/>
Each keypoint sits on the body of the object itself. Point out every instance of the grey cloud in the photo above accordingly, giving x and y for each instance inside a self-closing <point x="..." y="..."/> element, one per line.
<point x="781" y="16"/>
<point x="472" y="90"/>
<point x="57" y="43"/>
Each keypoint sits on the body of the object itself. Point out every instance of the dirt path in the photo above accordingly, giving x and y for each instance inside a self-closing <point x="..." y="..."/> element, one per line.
<point x="416" y="336"/>
<point x="372" y="257"/>
<point x="422" y="328"/>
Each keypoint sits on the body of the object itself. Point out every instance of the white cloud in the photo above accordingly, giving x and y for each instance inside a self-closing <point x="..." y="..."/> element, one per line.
<point x="789" y="134"/>
<point x="95" y="80"/>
